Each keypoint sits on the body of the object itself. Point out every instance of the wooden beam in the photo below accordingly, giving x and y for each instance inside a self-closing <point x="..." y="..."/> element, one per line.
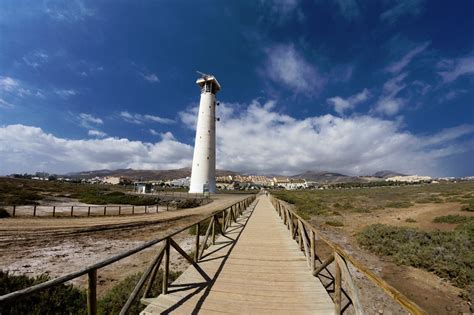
<point x="189" y="259"/>
<point x="305" y="244"/>
<point x="337" y="290"/>
<point x="326" y="263"/>
<point x="92" y="292"/>
<point x="352" y="289"/>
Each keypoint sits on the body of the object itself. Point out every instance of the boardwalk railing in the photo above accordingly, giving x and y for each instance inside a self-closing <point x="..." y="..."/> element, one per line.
<point x="84" y="211"/>
<point x="218" y="221"/>
<point x="306" y="235"/>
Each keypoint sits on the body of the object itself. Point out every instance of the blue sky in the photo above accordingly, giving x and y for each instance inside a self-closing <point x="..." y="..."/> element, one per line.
<point x="349" y="86"/>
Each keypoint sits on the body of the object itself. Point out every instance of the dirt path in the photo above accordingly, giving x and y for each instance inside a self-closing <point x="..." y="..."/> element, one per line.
<point x="57" y="246"/>
<point x="434" y="294"/>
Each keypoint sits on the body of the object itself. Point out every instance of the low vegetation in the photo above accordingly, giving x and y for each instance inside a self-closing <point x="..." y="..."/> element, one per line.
<point x="453" y="219"/>
<point x="4" y="213"/>
<point x="66" y="299"/>
<point x="334" y="223"/>
<point x="115" y="197"/>
<point x="367" y="199"/>
<point x="113" y="301"/>
<point x="62" y="299"/>
<point x="450" y="255"/>
<point x="410" y="220"/>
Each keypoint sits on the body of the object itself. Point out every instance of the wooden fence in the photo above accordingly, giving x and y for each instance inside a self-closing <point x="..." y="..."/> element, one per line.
<point x="217" y="222"/>
<point x="84" y="211"/>
<point x="306" y="235"/>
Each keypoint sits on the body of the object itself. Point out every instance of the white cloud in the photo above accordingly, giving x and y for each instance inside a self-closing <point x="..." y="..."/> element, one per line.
<point x="388" y="104"/>
<point x="340" y="104"/>
<point x="65" y="93"/>
<point x="91" y="119"/>
<point x="288" y="67"/>
<point x="8" y="84"/>
<point x="153" y="78"/>
<point x="140" y="119"/>
<point x="28" y="149"/>
<point x="453" y="69"/>
<point x="154" y="132"/>
<point x="402" y="8"/>
<point x="67" y="11"/>
<point x="36" y="58"/>
<point x="398" y="66"/>
<point x="255" y="139"/>
<point x="96" y="133"/>
<point x="5" y="104"/>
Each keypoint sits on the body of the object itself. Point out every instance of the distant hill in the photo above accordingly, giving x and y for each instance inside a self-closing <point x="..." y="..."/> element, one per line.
<point x="386" y="174"/>
<point x="144" y="174"/>
<point x="327" y="177"/>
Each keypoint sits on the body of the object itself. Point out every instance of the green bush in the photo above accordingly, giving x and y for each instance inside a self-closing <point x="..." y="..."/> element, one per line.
<point x="399" y="204"/>
<point x="4" y="213"/>
<point x="113" y="301"/>
<point x="334" y="223"/>
<point x="450" y="255"/>
<point x="453" y="219"/>
<point x="116" y="197"/>
<point x="468" y="207"/>
<point x="62" y="299"/>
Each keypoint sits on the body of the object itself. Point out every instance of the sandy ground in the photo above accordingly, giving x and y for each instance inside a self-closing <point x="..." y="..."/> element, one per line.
<point x="434" y="294"/>
<point x="57" y="246"/>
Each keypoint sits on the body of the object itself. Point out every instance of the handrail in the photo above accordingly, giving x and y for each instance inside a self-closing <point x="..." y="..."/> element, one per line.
<point x="341" y="258"/>
<point x="230" y="213"/>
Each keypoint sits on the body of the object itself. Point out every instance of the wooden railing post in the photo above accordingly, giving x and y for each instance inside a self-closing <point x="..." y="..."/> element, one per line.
<point x="166" y="267"/>
<point x="133" y="209"/>
<point x="92" y="292"/>
<point x="312" y="243"/>
<point x="72" y="211"/>
<point x="157" y="208"/>
<point x="120" y="209"/>
<point x="88" y="211"/>
<point x="34" y="210"/>
<point x="196" y="246"/>
<point x="14" y="210"/>
<point x="105" y="210"/>
<point x="214" y="230"/>
<point x="54" y="211"/>
<point x="145" y="209"/>
<point x="337" y="288"/>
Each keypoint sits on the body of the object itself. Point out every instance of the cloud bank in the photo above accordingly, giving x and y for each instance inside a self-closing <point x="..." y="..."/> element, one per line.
<point x="254" y="139"/>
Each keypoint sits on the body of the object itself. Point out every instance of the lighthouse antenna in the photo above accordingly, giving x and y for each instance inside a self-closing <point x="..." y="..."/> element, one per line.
<point x="204" y="75"/>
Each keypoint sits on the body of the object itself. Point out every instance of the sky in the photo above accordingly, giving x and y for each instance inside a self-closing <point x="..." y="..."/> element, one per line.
<point x="351" y="86"/>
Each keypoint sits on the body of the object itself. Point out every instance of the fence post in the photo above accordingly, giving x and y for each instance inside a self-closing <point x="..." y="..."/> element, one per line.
<point x="105" y="210"/>
<point x="133" y="209"/>
<point x="167" y="206"/>
<point x="145" y="209"/>
<point x="92" y="292"/>
<point x="120" y="209"/>
<point x="196" y="253"/>
<point x="337" y="287"/>
<point x="88" y="211"/>
<point x="214" y="231"/>
<point x="34" y="210"/>
<point x="166" y="267"/>
<point x="157" y="208"/>
<point x="72" y="210"/>
<point x="54" y="211"/>
<point x="14" y="210"/>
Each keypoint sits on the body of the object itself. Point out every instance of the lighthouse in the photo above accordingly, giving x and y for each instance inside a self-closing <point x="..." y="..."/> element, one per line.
<point x="203" y="173"/>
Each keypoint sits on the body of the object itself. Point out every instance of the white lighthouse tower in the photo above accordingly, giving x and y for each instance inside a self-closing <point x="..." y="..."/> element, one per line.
<point x="203" y="174"/>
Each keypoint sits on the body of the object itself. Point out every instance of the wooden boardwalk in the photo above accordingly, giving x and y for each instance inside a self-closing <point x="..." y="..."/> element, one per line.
<point x="255" y="268"/>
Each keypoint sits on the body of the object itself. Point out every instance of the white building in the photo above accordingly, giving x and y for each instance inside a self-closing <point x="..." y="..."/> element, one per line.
<point x="409" y="179"/>
<point x="203" y="174"/>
